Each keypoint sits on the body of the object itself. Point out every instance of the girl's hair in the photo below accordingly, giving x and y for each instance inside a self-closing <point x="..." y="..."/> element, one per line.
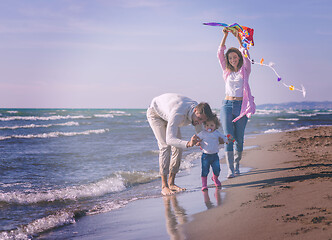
<point x="228" y="65"/>
<point x="204" y="108"/>
<point x="214" y="119"/>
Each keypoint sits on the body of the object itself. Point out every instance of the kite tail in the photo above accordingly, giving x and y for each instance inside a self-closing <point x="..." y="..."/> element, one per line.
<point x="290" y="87"/>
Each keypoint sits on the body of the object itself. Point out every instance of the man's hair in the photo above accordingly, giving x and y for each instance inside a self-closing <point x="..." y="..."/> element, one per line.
<point x="214" y="119"/>
<point x="204" y="108"/>
<point x="238" y="53"/>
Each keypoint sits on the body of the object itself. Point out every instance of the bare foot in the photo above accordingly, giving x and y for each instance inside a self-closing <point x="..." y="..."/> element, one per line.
<point x="176" y="188"/>
<point x="166" y="191"/>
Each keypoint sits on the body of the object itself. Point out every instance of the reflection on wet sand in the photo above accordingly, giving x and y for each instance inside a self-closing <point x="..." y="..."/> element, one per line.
<point x="207" y="200"/>
<point x="176" y="215"/>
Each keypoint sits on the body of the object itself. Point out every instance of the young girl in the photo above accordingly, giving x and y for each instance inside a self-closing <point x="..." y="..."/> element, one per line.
<point x="239" y="104"/>
<point x="210" y="145"/>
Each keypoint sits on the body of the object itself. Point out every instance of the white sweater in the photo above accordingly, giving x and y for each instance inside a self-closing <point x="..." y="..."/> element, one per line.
<point x="210" y="141"/>
<point x="177" y="111"/>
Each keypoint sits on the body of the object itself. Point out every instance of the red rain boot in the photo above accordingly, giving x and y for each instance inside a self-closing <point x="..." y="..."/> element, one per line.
<point x="204" y="184"/>
<point x="217" y="183"/>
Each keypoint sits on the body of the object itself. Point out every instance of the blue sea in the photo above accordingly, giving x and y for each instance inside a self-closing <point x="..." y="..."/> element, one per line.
<point x="59" y="165"/>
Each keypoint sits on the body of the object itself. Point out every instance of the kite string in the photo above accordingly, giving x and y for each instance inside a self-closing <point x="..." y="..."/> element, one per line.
<point x="291" y="87"/>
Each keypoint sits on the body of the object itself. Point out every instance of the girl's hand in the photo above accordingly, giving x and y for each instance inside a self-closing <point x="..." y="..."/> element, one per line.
<point x="225" y="31"/>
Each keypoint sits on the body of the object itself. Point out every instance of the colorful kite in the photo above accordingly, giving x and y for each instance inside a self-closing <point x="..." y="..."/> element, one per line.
<point x="246" y="35"/>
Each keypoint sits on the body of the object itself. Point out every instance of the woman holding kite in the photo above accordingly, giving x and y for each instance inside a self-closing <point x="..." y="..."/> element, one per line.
<point x="239" y="104"/>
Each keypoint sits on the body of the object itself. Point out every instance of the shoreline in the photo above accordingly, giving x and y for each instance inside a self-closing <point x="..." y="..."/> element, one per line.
<point x="287" y="194"/>
<point x="258" y="204"/>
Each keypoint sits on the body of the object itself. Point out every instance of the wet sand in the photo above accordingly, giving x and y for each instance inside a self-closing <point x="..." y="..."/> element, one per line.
<point x="288" y="194"/>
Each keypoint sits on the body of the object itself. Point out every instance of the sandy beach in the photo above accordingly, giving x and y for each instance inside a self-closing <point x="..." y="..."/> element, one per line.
<point x="288" y="194"/>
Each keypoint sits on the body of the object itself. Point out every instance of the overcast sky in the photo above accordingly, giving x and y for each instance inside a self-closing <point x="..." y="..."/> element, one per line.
<point x="122" y="53"/>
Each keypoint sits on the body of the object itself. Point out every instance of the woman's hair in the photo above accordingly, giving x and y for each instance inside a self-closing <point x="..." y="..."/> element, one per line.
<point x="214" y="119"/>
<point x="228" y="65"/>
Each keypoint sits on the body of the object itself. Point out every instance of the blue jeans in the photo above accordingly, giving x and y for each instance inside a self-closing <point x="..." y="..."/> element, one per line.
<point x="210" y="160"/>
<point x="230" y="109"/>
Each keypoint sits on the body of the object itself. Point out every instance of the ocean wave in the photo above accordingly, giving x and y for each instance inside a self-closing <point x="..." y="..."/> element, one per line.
<point x="104" y="115"/>
<point x="291" y="111"/>
<point x="325" y="113"/>
<point x="56" y="134"/>
<point x="266" y="112"/>
<point x="40" y="125"/>
<point x="303" y="128"/>
<point x="294" y="129"/>
<point x="108" y="206"/>
<point x="273" y="131"/>
<point x="39" y="225"/>
<point x="307" y="114"/>
<point x="4" y="138"/>
<point x="58" y="219"/>
<point x="21" y="184"/>
<point x="12" y="112"/>
<point x="105" y="186"/>
<point x="131" y="178"/>
<point x="35" y="118"/>
<point x="116" y="183"/>
<point x="119" y="113"/>
<point x="110" y="114"/>
<point x="288" y="119"/>
<point x="188" y="161"/>
<point x="141" y="121"/>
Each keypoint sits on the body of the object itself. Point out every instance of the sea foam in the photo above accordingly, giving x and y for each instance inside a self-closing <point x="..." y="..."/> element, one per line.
<point x="105" y="186"/>
<point x="34" y="118"/>
<point x="288" y="119"/>
<point x="267" y="112"/>
<point x="188" y="161"/>
<point x="273" y="131"/>
<point x="39" y="225"/>
<point x="56" y="134"/>
<point x="39" y="125"/>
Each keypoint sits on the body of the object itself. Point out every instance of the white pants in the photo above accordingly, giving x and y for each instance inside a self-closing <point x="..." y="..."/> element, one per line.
<point x="169" y="156"/>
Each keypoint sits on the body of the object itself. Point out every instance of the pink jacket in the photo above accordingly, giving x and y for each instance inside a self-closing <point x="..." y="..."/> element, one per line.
<point x="248" y="106"/>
